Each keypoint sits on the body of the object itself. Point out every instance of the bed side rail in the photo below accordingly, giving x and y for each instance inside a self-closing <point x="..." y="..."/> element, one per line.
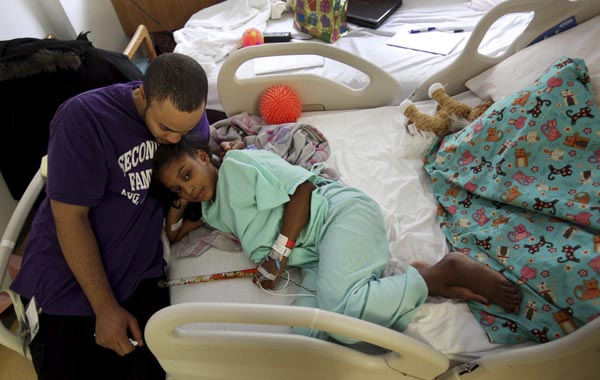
<point x="471" y="63"/>
<point x="273" y="355"/>
<point x="8" y="338"/>
<point x="574" y="356"/>
<point x="316" y="93"/>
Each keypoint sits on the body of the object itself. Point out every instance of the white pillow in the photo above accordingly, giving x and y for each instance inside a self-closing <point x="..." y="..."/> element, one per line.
<point x="484" y="5"/>
<point x="525" y="66"/>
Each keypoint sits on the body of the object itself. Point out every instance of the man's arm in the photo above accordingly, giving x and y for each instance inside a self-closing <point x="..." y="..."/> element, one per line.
<point x="80" y="248"/>
<point x="295" y="217"/>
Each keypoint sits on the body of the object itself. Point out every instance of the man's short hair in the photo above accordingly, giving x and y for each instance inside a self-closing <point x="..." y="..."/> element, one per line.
<point x="176" y="77"/>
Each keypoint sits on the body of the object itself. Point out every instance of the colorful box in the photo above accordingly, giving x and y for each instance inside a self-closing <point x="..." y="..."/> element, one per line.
<point x="324" y="19"/>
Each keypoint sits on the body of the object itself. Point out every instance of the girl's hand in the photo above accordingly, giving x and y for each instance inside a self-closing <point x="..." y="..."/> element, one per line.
<point x="230" y="145"/>
<point x="274" y="268"/>
<point x="181" y="204"/>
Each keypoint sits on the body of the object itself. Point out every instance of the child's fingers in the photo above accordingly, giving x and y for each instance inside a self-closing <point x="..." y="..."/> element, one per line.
<point x="268" y="284"/>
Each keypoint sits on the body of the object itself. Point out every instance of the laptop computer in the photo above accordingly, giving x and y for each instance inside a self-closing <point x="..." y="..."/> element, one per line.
<point x="371" y="13"/>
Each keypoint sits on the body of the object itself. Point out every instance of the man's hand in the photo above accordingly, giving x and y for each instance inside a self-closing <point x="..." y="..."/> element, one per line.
<point x="111" y="330"/>
<point x="230" y="145"/>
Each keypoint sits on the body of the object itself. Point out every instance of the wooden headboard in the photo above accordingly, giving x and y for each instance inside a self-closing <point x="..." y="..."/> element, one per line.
<point x="157" y="15"/>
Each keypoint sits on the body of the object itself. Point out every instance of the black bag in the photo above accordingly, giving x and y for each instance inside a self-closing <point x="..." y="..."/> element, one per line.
<point x="36" y="77"/>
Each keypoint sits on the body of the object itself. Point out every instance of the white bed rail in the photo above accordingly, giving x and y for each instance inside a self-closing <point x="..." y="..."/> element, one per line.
<point x="243" y="94"/>
<point x="470" y="62"/>
<point x="207" y="354"/>
<point x="9" y="239"/>
<point x="575" y="356"/>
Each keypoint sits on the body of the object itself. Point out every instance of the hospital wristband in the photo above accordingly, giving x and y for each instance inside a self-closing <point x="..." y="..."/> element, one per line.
<point x="285" y="241"/>
<point x="283" y="246"/>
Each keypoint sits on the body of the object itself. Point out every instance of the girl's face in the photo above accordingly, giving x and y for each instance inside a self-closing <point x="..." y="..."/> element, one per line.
<point x="192" y="178"/>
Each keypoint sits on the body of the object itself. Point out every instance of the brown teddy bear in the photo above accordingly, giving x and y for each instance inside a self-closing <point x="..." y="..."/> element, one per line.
<point x="450" y="113"/>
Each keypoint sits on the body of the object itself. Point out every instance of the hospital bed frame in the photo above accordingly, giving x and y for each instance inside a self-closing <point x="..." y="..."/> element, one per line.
<point x="201" y="354"/>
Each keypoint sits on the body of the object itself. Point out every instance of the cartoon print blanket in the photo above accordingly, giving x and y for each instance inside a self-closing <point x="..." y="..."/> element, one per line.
<point x="518" y="190"/>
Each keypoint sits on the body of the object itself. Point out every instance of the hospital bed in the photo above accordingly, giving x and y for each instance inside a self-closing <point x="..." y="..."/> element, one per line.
<point x="407" y="67"/>
<point x="235" y="340"/>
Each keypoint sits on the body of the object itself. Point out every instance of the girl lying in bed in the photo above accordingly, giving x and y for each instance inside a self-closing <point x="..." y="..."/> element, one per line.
<point x="287" y="215"/>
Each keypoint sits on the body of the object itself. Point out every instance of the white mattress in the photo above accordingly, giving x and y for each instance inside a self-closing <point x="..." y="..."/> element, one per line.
<point x="366" y="150"/>
<point x="408" y="67"/>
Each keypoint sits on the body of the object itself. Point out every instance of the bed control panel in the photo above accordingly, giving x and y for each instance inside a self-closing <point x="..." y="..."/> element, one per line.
<point x="277" y="37"/>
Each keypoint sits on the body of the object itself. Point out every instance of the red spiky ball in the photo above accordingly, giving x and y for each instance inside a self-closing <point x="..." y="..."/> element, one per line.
<point x="252" y="37"/>
<point x="280" y="104"/>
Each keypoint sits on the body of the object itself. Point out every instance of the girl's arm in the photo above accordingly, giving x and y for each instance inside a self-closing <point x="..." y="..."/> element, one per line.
<point x="297" y="211"/>
<point x="295" y="217"/>
<point x="176" y="228"/>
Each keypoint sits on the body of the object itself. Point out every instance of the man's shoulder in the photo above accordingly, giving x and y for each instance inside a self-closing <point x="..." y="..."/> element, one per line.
<point x="86" y="104"/>
<point x="115" y="91"/>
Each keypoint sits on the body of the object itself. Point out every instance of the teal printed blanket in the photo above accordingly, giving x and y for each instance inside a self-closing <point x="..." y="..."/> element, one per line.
<point x="518" y="191"/>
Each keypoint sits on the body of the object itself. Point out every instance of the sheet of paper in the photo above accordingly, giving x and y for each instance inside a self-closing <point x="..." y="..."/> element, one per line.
<point x="266" y="65"/>
<point x="442" y="43"/>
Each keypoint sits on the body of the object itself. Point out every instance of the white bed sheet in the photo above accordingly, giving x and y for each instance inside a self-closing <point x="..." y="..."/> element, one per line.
<point x="408" y="67"/>
<point x="365" y="151"/>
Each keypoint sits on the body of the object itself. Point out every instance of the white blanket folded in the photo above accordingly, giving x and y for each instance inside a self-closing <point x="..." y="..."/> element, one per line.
<point x="213" y="32"/>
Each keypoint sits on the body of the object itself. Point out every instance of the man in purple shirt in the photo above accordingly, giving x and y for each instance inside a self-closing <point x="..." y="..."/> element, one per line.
<point x="94" y="254"/>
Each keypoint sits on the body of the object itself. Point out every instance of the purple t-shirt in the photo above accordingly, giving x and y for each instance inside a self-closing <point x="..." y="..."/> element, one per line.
<point x="99" y="155"/>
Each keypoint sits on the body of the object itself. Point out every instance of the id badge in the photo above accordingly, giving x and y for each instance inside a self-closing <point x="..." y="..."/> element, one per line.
<point x="33" y="320"/>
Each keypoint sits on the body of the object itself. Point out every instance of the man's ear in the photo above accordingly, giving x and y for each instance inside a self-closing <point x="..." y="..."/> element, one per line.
<point x="142" y="93"/>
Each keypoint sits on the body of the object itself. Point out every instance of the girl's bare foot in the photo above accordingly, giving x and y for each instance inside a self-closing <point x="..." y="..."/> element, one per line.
<point x="457" y="276"/>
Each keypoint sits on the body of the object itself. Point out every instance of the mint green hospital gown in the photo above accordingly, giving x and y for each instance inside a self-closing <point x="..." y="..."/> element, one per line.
<point x="342" y="250"/>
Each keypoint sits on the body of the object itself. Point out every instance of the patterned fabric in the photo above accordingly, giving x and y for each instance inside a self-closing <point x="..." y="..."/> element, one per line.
<point x="298" y="144"/>
<point x="324" y="19"/>
<point x="519" y="191"/>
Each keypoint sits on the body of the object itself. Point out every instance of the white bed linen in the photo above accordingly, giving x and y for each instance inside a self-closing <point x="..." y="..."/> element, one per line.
<point x="408" y="67"/>
<point x="365" y="151"/>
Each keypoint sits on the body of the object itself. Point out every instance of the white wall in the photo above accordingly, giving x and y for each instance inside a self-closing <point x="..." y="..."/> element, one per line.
<point x="65" y="19"/>
<point x="100" y="18"/>
<point x="61" y="26"/>
<point x="22" y="18"/>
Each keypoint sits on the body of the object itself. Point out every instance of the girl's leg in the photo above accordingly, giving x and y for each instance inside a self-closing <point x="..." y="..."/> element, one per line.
<point x="309" y="280"/>
<point x="353" y="253"/>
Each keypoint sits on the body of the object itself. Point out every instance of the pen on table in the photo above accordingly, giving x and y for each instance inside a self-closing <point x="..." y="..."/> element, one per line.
<point x="432" y="28"/>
